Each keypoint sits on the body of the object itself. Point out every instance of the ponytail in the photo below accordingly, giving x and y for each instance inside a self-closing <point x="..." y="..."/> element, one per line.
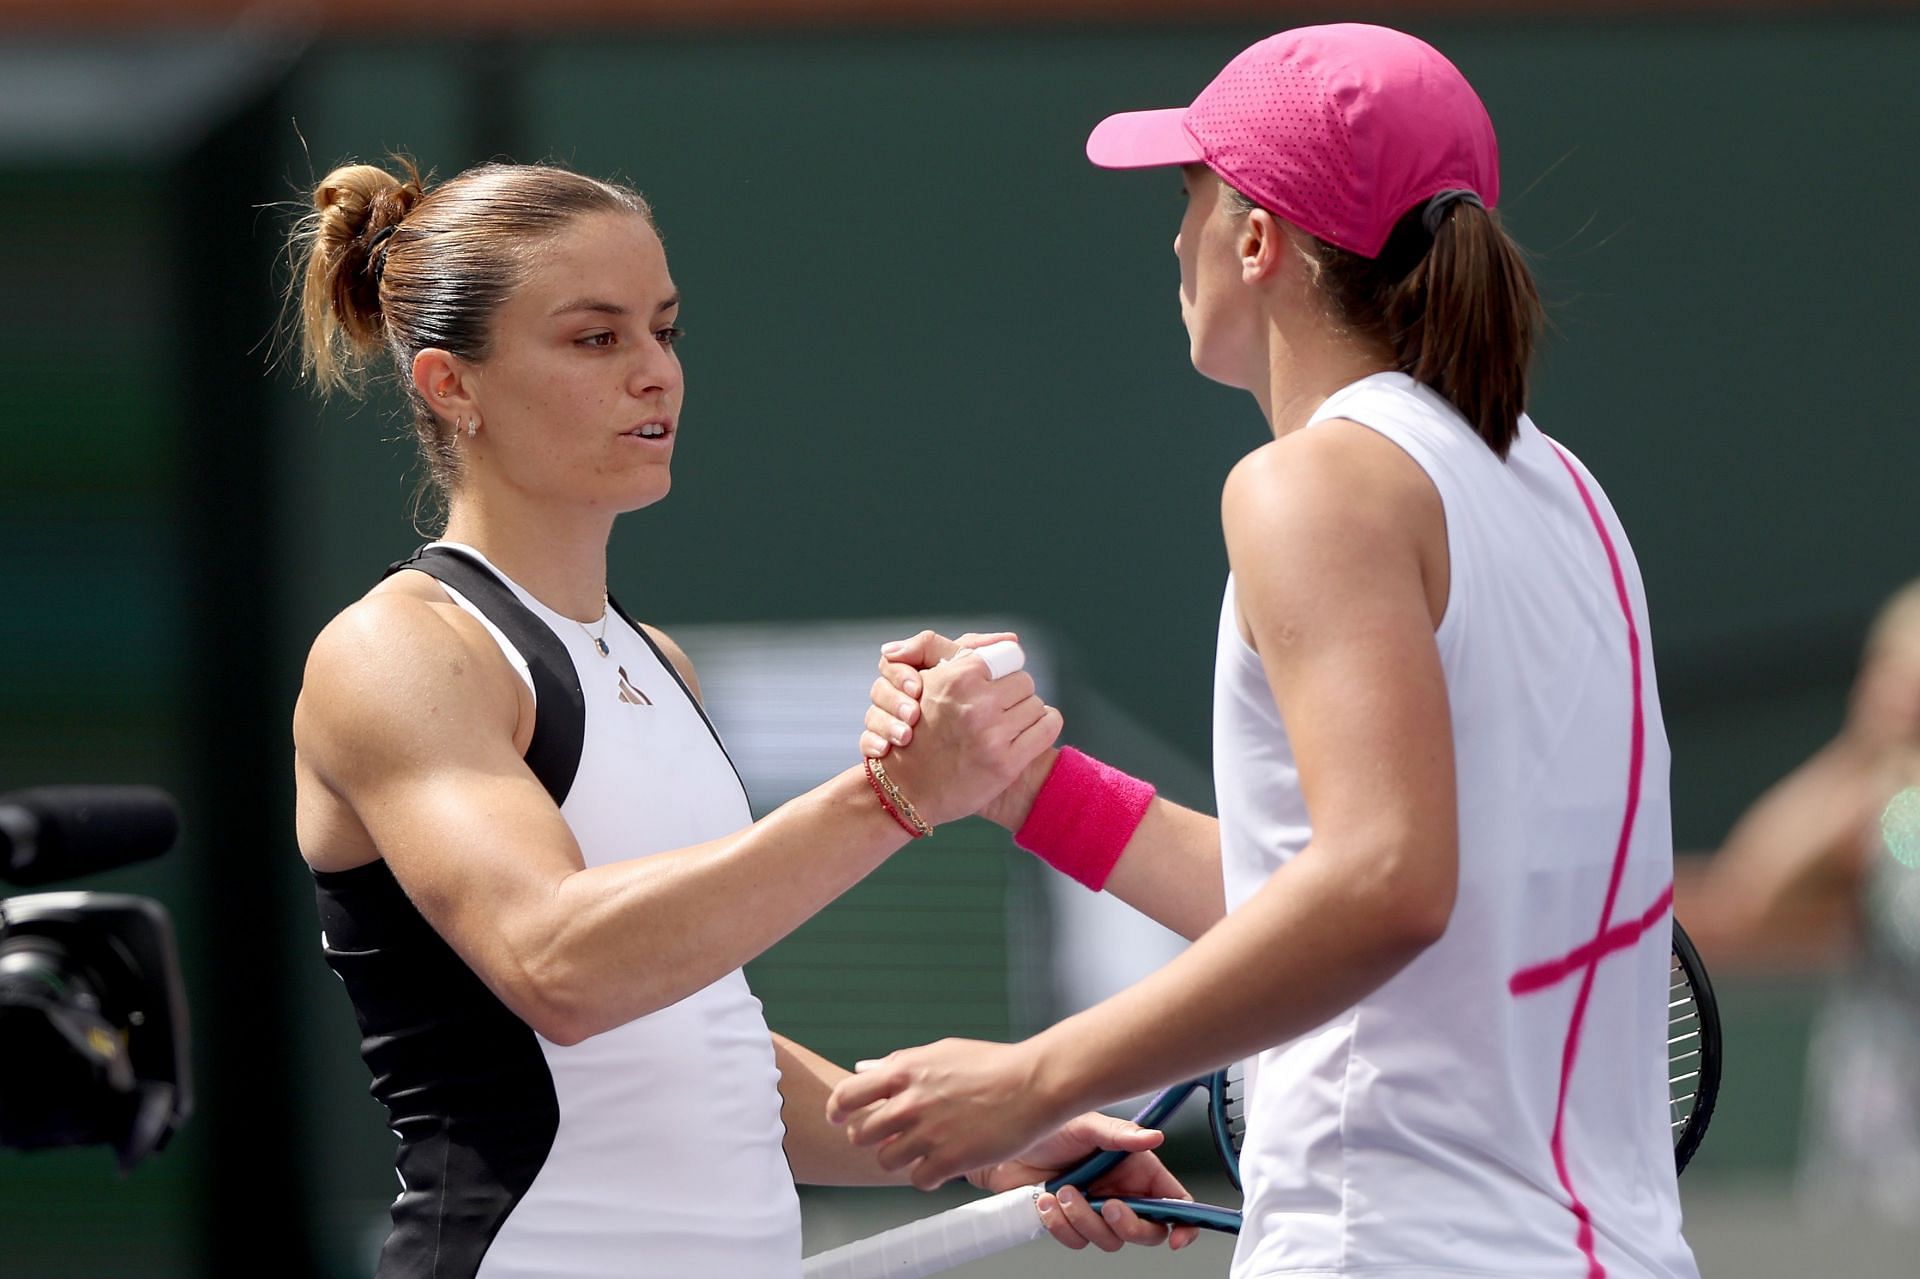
<point x="1465" y="319"/>
<point x="1455" y="305"/>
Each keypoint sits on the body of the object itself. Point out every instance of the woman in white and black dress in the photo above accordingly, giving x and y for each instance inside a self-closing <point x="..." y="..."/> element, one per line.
<point x="536" y="867"/>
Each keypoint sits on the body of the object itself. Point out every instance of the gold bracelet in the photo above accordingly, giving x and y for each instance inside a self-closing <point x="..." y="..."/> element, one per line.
<point x="920" y="827"/>
<point x="874" y="784"/>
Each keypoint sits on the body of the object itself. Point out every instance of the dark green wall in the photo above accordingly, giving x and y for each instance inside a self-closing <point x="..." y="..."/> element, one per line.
<point x="93" y="628"/>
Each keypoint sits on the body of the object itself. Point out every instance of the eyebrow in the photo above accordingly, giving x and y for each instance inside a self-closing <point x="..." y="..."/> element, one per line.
<point x="611" y="308"/>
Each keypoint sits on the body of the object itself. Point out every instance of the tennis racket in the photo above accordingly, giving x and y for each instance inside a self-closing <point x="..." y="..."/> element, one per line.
<point x="1012" y="1217"/>
<point x="1693" y="1048"/>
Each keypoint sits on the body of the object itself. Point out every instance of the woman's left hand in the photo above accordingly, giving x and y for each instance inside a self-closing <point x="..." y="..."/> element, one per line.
<point x="944" y="1109"/>
<point x="1068" y="1216"/>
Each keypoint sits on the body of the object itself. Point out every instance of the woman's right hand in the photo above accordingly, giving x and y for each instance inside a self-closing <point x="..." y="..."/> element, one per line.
<point x="896" y="712"/>
<point x="971" y="736"/>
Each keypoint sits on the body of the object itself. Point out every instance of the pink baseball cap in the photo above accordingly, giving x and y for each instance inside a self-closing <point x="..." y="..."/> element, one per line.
<point x="1339" y="129"/>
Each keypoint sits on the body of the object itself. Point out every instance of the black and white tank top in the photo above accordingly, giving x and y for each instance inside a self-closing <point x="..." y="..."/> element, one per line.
<point x="653" y="1149"/>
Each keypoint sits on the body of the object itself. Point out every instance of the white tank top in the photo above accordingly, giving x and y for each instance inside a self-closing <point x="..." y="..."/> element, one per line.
<point x="668" y="1160"/>
<point x="1429" y="1130"/>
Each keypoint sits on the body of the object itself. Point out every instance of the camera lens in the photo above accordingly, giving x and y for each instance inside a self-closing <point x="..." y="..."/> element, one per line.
<point x="64" y="1064"/>
<point x="34" y="968"/>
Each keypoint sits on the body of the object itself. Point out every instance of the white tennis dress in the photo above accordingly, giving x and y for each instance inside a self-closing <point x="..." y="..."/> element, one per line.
<point x="650" y="1150"/>
<point x="1498" y="1107"/>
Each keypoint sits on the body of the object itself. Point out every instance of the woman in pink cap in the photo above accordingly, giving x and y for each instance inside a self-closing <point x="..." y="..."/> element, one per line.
<point x="1434" y="911"/>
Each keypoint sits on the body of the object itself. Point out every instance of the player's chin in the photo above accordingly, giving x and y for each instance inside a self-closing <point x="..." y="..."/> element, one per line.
<point x="1210" y="364"/>
<point x="642" y="489"/>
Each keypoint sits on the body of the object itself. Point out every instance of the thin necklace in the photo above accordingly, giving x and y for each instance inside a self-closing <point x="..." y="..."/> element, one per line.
<point x="599" y="641"/>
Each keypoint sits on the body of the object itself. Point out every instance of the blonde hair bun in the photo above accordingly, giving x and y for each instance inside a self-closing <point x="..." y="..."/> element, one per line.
<point x="356" y="208"/>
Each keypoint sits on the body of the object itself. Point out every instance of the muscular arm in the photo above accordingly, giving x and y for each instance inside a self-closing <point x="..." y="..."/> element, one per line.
<point x="406" y="724"/>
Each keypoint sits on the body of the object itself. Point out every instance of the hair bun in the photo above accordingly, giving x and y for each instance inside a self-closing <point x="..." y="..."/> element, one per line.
<point x="357" y="201"/>
<point x="355" y="210"/>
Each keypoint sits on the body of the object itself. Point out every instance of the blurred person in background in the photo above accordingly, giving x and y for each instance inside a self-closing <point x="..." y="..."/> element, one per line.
<point x="1435" y="908"/>
<point x="537" y="870"/>
<point x="1828" y="860"/>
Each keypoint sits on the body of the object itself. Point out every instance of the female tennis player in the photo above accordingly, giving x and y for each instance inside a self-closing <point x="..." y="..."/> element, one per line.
<point x="1435" y="908"/>
<point x="536" y="867"/>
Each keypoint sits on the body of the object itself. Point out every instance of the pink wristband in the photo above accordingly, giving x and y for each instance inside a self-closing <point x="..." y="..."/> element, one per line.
<point x="1083" y="817"/>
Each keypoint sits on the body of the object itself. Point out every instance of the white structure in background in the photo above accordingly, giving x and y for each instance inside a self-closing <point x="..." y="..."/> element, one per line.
<point x="789" y="699"/>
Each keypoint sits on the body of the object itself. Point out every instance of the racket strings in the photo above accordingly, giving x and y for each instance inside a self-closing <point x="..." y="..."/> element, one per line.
<point x="1684" y="1047"/>
<point x="1236" y="1107"/>
<point x="1227" y="1116"/>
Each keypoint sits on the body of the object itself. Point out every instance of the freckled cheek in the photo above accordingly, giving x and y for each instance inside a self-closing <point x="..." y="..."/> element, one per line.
<point x="569" y="400"/>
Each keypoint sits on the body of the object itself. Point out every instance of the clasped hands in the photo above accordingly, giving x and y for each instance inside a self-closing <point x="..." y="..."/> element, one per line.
<point x="970" y="1108"/>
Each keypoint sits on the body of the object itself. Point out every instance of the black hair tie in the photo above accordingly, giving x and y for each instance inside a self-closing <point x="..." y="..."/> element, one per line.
<point x="375" y="256"/>
<point x="1436" y="210"/>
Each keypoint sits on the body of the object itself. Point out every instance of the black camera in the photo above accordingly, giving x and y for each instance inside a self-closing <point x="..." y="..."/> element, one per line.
<point x="93" y="1019"/>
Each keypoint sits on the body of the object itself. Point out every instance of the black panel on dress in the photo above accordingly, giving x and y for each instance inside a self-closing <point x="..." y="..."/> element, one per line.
<point x="464" y="1081"/>
<point x="560" y="714"/>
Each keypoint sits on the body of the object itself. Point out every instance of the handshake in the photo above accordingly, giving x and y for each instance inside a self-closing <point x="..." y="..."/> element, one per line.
<point x="960" y="727"/>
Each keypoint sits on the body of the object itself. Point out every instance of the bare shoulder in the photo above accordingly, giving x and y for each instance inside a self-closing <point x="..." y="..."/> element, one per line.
<point x="1329" y="530"/>
<point x="1335" y="476"/>
<point x="398" y="674"/>
<point x="675" y="654"/>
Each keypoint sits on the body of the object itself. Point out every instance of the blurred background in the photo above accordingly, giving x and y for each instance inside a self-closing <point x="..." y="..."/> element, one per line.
<point x="936" y="371"/>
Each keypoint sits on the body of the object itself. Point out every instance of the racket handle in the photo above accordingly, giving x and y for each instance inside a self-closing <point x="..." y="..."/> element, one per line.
<point x="940" y="1242"/>
<point x="1179" y="1212"/>
<point x="1102" y="1162"/>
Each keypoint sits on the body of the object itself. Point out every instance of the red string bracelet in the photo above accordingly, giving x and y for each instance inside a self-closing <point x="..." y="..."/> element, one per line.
<point x="880" y="794"/>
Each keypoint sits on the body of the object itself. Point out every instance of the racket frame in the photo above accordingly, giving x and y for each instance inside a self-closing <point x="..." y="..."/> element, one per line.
<point x="1171" y="1212"/>
<point x="1706" y="1090"/>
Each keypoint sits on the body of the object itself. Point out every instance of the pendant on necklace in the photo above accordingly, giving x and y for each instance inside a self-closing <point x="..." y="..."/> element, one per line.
<point x="601" y="644"/>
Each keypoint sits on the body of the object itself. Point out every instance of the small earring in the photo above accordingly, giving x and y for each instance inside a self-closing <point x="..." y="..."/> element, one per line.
<point x="473" y="428"/>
